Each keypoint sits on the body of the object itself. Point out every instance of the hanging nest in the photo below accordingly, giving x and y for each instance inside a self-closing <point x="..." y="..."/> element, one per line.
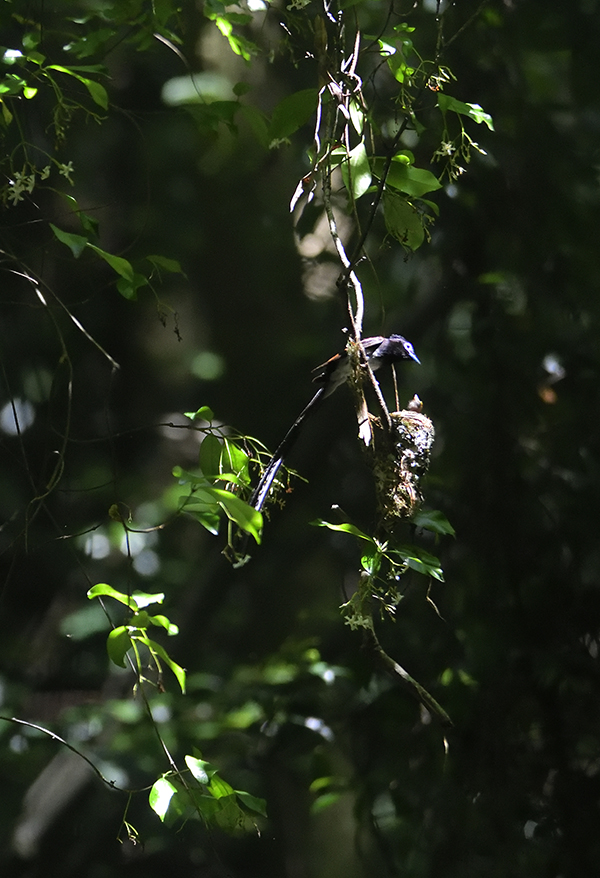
<point x="400" y="459"/>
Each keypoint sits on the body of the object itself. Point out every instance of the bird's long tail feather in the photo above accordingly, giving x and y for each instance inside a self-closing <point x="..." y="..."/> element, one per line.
<point x="264" y="486"/>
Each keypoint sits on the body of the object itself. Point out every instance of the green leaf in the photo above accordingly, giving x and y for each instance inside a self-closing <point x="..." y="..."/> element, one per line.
<point x="12" y="85"/>
<point x="396" y="57"/>
<point x="237" y="510"/>
<point x="168" y="264"/>
<point x="210" y="455"/>
<point x="257" y="123"/>
<point x="128" y="289"/>
<point x="120" y="265"/>
<point x="97" y="91"/>
<point x="404" y="156"/>
<point x="235" y="459"/>
<point x="139" y="620"/>
<point x="160" y="796"/>
<point x="206" y="805"/>
<point x="105" y="590"/>
<point x="204" y="413"/>
<point x="7" y="116"/>
<point x="160" y="651"/>
<point x="117" y="644"/>
<point x="406" y="178"/>
<point x="473" y="111"/>
<point x="11" y="56"/>
<point x="198" y="769"/>
<point x="344" y="528"/>
<point x="252" y="802"/>
<point x="371" y="560"/>
<point x="420" y="560"/>
<point x="208" y="516"/>
<point x="356" y="171"/>
<point x="245" y="716"/>
<point x="165" y="623"/>
<point x="402" y="220"/>
<point x="144" y="599"/>
<point x="76" y="243"/>
<point x="357" y="116"/>
<point x="292" y="112"/>
<point x="219" y="787"/>
<point x="89" y="223"/>
<point x="238" y="44"/>
<point x="193" y="479"/>
<point x="433" y="520"/>
<point x="229" y="816"/>
<point x="136" y="601"/>
<point x="241" y="88"/>
<point x="433" y="207"/>
<point x="143" y="619"/>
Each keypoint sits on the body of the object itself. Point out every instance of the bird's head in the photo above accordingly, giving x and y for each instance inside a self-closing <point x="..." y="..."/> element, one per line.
<point x="400" y="348"/>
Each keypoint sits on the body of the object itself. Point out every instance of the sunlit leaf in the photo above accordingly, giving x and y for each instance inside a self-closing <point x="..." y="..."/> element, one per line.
<point x="235" y="458"/>
<point x="198" y="769"/>
<point x="245" y="516"/>
<point x="144" y="599"/>
<point x="219" y="787"/>
<point x="161" y="652"/>
<point x="97" y="91"/>
<point x="204" y="413"/>
<point x="405" y="177"/>
<point x="344" y="528"/>
<point x="473" y="111"/>
<point x="165" y="623"/>
<point x="117" y="644"/>
<point x="356" y="171"/>
<point x="105" y="590"/>
<point x="420" y="561"/>
<point x="357" y="116"/>
<point x="136" y="601"/>
<point x="160" y="796"/>
<point x="371" y="560"/>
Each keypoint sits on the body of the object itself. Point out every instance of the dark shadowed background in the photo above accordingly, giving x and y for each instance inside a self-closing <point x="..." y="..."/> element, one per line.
<point x="502" y="306"/>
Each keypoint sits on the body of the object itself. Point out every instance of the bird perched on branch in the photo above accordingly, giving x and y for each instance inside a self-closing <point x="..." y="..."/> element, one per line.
<point x="379" y="351"/>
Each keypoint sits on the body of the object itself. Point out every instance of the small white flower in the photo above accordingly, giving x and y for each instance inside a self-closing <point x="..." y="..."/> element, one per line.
<point x="66" y="171"/>
<point x="16" y="189"/>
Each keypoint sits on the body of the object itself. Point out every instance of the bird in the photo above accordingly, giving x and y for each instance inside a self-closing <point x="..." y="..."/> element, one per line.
<point x="380" y="351"/>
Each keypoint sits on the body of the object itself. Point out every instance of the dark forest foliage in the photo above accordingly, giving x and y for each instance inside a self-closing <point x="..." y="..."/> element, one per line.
<point x="162" y="309"/>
